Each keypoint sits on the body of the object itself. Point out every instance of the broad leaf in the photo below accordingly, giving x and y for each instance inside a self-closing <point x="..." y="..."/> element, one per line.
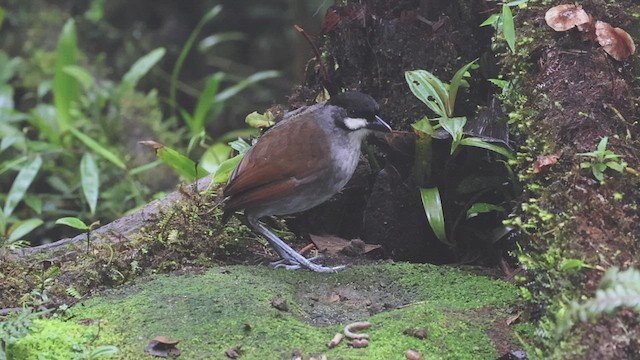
<point x="95" y="146"/>
<point x="429" y="89"/>
<point x="177" y="68"/>
<point x="139" y="69"/>
<point x="219" y="38"/>
<point x="20" y="185"/>
<point x="456" y="82"/>
<point x="433" y="208"/>
<point x="477" y="142"/>
<point x="18" y="230"/>
<point x="215" y="155"/>
<point x="454" y="127"/>
<point x="257" y="120"/>
<point x="508" y="27"/>
<point x="65" y="86"/>
<point x="206" y="101"/>
<point x="184" y="166"/>
<point x="244" y="83"/>
<point x="90" y="177"/>
<point x="82" y="76"/>
<point x="73" y="222"/>
<point x="226" y="168"/>
<point x="481" y="208"/>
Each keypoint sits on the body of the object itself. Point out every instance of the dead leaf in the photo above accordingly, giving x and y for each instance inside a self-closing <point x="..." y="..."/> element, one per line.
<point x="420" y="333"/>
<point x="280" y="303"/>
<point x="296" y="354"/>
<point x="234" y="352"/>
<point x="513" y="318"/>
<point x="334" y="245"/>
<point x="162" y="346"/>
<point x="544" y="162"/>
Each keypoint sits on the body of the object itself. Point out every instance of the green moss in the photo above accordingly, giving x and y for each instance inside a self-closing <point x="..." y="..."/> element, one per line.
<point x="208" y="312"/>
<point x="56" y="339"/>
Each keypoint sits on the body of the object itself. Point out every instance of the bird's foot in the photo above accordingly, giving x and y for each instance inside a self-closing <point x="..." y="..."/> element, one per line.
<point x="291" y="263"/>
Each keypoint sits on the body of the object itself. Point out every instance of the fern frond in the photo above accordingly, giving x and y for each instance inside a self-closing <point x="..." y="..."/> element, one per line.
<point x="617" y="289"/>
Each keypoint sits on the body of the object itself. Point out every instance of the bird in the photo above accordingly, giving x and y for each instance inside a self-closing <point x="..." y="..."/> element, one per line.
<point x="299" y="163"/>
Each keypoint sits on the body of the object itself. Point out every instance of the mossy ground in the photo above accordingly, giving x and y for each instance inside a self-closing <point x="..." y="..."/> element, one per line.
<point x="208" y="311"/>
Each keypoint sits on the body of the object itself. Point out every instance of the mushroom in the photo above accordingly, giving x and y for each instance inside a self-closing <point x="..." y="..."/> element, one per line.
<point x="615" y="41"/>
<point x="565" y="17"/>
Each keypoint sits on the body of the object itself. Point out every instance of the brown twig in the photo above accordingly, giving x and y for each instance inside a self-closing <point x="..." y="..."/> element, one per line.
<point x="328" y="84"/>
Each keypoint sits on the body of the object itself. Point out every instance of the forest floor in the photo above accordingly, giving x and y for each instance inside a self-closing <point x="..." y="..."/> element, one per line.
<point x="264" y="313"/>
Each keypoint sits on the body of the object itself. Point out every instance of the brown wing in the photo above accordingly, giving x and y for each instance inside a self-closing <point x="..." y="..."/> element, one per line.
<point x="273" y="168"/>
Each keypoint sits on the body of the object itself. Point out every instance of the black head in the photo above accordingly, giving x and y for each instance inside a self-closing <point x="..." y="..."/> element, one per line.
<point x="362" y="111"/>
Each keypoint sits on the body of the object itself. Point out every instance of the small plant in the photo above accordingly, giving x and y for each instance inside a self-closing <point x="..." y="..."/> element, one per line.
<point x="15" y="328"/>
<point x="617" y="289"/>
<point x="503" y="22"/>
<point x="441" y="98"/>
<point x="601" y="159"/>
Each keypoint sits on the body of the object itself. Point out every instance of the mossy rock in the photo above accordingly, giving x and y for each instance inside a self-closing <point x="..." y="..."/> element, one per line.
<point x="209" y="312"/>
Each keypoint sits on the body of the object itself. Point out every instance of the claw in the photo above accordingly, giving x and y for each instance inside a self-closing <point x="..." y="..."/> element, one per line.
<point x="294" y="264"/>
<point x="291" y="260"/>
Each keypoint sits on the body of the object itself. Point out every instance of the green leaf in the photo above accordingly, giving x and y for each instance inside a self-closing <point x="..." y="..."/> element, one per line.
<point x="481" y="208"/>
<point x="240" y="145"/>
<point x="103" y="351"/>
<point x="8" y="165"/>
<point x="433" y="208"/>
<point x="572" y="264"/>
<point x="619" y="167"/>
<point x="244" y="83"/>
<point x="428" y="89"/>
<point x="226" y="168"/>
<point x="2" y="15"/>
<point x="424" y="125"/>
<point x="184" y="166"/>
<point x="73" y="222"/>
<point x="599" y="175"/>
<point x="238" y="133"/>
<point x="82" y="76"/>
<point x="3" y="225"/>
<point x="6" y="98"/>
<point x="139" y="69"/>
<point x="18" y="230"/>
<point x="215" y="155"/>
<point x="216" y="39"/>
<point x="95" y="146"/>
<point x="90" y="177"/>
<point x="456" y="82"/>
<point x="206" y="101"/>
<point x="34" y="202"/>
<point x="23" y="180"/>
<point x="257" y="120"/>
<point x="477" y="142"/>
<point x="508" y="27"/>
<point x="454" y="127"/>
<point x="490" y="20"/>
<point x="177" y="68"/>
<point x="65" y="86"/>
<point x="502" y="84"/>
<point x="602" y="145"/>
<point x="516" y="2"/>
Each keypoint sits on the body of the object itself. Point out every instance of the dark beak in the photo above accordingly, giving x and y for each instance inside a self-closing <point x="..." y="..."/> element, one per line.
<point x="379" y="125"/>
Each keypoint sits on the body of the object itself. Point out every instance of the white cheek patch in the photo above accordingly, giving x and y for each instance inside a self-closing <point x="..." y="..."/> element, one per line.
<point x="355" y="123"/>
